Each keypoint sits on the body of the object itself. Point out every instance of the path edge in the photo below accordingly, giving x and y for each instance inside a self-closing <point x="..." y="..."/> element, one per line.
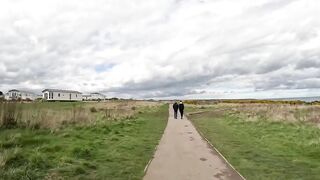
<point x="156" y="148"/>
<point x="215" y="149"/>
<point x="149" y="162"/>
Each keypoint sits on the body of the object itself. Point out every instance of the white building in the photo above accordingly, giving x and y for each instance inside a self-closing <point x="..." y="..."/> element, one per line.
<point x="61" y="95"/>
<point x="97" y="96"/>
<point x="86" y="97"/>
<point x="15" y="94"/>
<point x="94" y="97"/>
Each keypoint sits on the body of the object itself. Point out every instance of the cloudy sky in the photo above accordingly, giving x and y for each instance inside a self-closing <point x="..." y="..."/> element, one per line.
<point x="162" y="48"/>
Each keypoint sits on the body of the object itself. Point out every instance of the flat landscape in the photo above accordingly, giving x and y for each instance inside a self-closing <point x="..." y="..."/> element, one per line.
<point x="107" y="140"/>
<point x="117" y="139"/>
<point x="263" y="140"/>
<point x="160" y="90"/>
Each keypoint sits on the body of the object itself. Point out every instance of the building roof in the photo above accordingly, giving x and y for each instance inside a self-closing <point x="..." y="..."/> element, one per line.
<point x="21" y="91"/>
<point x="98" y="94"/>
<point x="61" y="90"/>
<point x="27" y="92"/>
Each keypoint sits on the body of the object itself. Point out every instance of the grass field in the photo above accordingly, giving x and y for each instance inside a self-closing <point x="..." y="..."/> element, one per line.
<point x="261" y="147"/>
<point x="107" y="149"/>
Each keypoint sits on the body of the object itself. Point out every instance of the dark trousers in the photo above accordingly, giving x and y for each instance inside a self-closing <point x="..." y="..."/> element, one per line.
<point x="181" y="113"/>
<point x="175" y="114"/>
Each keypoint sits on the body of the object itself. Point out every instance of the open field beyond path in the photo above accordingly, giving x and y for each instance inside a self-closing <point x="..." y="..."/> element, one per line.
<point x="183" y="155"/>
<point x="260" y="146"/>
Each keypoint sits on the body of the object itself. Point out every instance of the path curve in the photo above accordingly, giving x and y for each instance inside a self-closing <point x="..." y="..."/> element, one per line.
<point x="184" y="155"/>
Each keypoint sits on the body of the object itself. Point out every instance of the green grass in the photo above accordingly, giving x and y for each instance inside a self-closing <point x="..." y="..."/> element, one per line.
<point x="113" y="150"/>
<point x="263" y="149"/>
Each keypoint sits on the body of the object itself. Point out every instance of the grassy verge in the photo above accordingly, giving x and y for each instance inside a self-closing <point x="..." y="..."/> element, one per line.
<point x="263" y="149"/>
<point x="113" y="150"/>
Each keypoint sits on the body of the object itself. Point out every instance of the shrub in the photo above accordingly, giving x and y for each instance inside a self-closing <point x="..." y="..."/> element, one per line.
<point x="93" y="110"/>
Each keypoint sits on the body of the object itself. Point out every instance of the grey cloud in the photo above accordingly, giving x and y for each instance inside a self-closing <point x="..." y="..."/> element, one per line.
<point x="161" y="48"/>
<point x="313" y="62"/>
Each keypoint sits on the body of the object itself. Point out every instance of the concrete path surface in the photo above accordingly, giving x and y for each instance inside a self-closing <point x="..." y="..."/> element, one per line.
<point x="184" y="155"/>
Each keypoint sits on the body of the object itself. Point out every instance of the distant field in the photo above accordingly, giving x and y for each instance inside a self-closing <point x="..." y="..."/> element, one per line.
<point x="264" y="141"/>
<point x="115" y="142"/>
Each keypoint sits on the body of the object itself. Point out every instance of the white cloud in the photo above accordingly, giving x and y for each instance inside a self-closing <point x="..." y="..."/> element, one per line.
<point x="167" y="48"/>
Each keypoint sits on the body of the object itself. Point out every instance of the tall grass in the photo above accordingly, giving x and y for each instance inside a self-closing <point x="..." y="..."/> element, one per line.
<point x="14" y="115"/>
<point x="9" y="114"/>
<point x="57" y="114"/>
<point x="293" y="113"/>
<point x="248" y="101"/>
<point x="277" y="112"/>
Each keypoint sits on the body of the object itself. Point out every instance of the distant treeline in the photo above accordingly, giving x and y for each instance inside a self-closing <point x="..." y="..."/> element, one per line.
<point x="250" y="101"/>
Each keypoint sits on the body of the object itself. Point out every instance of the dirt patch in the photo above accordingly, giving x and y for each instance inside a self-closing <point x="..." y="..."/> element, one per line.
<point x="203" y="159"/>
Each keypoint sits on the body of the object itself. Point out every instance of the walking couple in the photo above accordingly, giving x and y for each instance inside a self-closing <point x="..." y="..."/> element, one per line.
<point x="179" y="107"/>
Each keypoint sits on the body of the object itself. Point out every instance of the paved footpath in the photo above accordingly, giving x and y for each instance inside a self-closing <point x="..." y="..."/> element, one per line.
<point x="184" y="155"/>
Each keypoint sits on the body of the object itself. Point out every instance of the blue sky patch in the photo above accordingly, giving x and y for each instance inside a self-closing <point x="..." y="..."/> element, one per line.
<point x="103" y="67"/>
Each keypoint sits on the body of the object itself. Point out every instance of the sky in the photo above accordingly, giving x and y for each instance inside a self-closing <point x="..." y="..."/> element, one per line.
<point x="162" y="49"/>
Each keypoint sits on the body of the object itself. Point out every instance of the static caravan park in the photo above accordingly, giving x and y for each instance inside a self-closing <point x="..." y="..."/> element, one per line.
<point x="94" y="97"/>
<point x="15" y="94"/>
<point x="61" y="95"/>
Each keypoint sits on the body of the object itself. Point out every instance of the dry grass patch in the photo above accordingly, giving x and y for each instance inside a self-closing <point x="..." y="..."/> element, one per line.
<point x="278" y="112"/>
<point x="303" y="113"/>
<point x="54" y="115"/>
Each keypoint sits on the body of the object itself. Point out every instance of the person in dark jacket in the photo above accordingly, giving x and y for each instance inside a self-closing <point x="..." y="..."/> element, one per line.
<point x="175" y="109"/>
<point x="181" y="109"/>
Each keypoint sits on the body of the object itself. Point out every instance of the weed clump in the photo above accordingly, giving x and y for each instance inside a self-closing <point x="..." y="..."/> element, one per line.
<point x="79" y="170"/>
<point x="82" y="152"/>
<point x="12" y="158"/>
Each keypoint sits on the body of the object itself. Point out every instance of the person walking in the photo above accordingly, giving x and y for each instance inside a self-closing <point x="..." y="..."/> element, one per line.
<point x="175" y="109"/>
<point x="181" y="109"/>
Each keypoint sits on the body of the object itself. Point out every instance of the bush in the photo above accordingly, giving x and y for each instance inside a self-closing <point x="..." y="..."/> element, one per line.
<point x="93" y="110"/>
